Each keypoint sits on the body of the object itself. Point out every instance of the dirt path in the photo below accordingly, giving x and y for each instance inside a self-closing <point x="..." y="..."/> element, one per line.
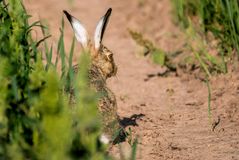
<point x="172" y="120"/>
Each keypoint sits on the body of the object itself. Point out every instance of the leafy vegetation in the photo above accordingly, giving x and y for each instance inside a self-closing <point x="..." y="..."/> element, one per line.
<point x="157" y="55"/>
<point x="211" y="33"/>
<point x="219" y="17"/>
<point x="207" y="23"/>
<point x="198" y="45"/>
<point x="36" y="119"/>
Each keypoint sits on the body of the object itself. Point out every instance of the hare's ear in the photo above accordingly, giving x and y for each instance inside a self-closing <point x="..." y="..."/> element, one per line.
<point x="79" y="30"/>
<point x="100" y="29"/>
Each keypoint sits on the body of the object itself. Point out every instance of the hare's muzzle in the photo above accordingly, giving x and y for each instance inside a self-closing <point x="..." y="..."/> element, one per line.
<point x="114" y="70"/>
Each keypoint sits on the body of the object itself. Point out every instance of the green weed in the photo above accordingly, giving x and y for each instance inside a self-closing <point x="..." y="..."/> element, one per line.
<point x="36" y="119"/>
<point x="205" y="17"/>
<point x="219" y="17"/>
<point x="157" y="55"/>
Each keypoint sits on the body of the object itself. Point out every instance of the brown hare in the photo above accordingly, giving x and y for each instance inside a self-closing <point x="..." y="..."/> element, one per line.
<point x="102" y="67"/>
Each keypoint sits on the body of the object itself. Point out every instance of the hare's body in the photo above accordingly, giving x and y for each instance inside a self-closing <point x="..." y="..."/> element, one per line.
<point x="102" y="67"/>
<point x="107" y="104"/>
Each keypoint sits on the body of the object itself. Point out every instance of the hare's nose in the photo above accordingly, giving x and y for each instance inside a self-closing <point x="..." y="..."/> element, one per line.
<point x="115" y="70"/>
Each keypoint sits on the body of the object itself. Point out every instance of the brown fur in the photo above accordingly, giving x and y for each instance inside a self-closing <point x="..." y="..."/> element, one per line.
<point x="103" y="67"/>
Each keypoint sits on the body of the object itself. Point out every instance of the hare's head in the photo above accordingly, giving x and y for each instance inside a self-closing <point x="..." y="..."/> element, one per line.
<point x="101" y="57"/>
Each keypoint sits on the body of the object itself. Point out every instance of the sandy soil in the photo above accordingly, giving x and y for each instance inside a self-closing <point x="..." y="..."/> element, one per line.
<point x="168" y="114"/>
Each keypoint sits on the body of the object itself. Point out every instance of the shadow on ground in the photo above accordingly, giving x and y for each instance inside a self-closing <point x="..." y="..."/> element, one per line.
<point x="131" y="121"/>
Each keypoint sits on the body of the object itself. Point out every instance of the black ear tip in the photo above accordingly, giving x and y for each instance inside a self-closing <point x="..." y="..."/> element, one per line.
<point x="109" y="11"/>
<point x="64" y="11"/>
<point x="68" y="16"/>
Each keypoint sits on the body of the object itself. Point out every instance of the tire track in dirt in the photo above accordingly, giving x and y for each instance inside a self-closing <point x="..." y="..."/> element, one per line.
<point x="175" y="124"/>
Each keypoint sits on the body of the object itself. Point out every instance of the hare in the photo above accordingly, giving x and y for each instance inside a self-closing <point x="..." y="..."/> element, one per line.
<point x="102" y="67"/>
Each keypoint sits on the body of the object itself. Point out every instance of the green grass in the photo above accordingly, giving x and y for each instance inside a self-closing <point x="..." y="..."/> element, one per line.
<point x="198" y="46"/>
<point x="219" y="17"/>
<point x="206" y="17"/>
<point x="209" y="101"/>
<point x="157" y="55"/>
<point x="36" y="118"/>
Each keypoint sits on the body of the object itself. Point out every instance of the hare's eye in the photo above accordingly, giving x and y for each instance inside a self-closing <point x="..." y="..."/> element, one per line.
<point x="109" y="56"/>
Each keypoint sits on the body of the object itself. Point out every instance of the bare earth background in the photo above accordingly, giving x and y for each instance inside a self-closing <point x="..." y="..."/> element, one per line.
<point x="168" y="114"/>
